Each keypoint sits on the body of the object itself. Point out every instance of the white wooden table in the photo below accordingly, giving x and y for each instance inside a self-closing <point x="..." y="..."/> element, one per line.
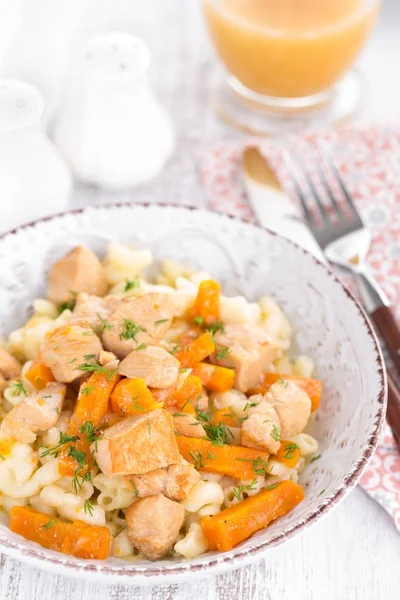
<point x="354" y="552"/>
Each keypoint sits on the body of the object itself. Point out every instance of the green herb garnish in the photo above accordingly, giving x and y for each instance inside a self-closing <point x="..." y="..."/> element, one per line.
<point x="314" y="458"/>
<point x="49" y="524"/>
<point x="275" y="433"/>
<point x="104" y="324"/>
<point x="18" y="389"/>
<point x="290" y="450"/>
<point x="160" y="322"/>
<point x="131" y="284"/>
<point x="64" y="439"/>
<point x="88" y="507"/>
<point x="198" y="460"/>
<point x="131" y="330"/>
<point x="238" y="491"/>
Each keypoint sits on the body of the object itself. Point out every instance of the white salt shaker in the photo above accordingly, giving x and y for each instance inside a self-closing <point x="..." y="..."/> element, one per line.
<point x="34" y="181"/>
<point x="113" y="131"/>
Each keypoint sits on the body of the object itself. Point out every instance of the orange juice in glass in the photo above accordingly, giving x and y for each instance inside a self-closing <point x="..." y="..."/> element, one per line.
<point x="287" y="57"/>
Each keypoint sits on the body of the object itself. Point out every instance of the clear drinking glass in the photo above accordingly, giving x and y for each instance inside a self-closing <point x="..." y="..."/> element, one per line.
<point x="288" y="61"/>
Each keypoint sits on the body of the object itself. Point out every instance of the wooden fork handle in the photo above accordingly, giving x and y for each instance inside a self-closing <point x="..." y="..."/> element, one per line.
<point x="393" y="409"/>
<point x="386" y="324"/>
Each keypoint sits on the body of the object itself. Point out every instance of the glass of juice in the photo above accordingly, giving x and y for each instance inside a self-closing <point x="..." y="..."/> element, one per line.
<point x="288" y="62"/>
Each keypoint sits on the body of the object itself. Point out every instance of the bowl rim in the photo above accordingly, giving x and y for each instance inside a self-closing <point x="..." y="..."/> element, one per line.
<point x="139" y="573"/>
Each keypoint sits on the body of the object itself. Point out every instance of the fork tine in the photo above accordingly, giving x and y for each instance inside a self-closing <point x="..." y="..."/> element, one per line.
<point x="306" y="174"/>
<point x="314" y="159"/>
<point x="291" y="167"/>
<point x="328" y="159"/>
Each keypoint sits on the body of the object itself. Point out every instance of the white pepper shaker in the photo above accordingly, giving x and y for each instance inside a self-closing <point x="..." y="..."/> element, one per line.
<point x="34" y="181"/>
<point x="113" y="131"/>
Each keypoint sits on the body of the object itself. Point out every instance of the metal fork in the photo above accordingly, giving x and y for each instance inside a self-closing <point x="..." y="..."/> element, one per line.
<point x="336" y="224"/>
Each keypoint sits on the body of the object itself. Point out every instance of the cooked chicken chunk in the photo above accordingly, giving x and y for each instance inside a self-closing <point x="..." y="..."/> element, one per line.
<point x="79" y="271"/>
<point x="105" y="358"/>
<point x="154" y="524"/>
<point x="188" y="425"/>
<point x="155" y="365"/>
<point x="201" y="403"/>
<point x="143" y="320"/>
<point x="175" y="482"/>
<point x="292" y="404"/>
<point x="138" y="444"/>
<point x="9" y="366"/>
<point x="181" y="478"/>
<point x="66" y="348"/>
<point x="36" y="413"/>
<point x="148" y="484"/>
<point x="246" y="349"/>
<point x="95" y="311"/>
<point x="262" y="428"/>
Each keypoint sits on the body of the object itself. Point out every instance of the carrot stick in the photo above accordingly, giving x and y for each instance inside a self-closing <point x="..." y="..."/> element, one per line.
<point x="288" y="454"/>
<point x="132" y="397"/>
<point x="216" y="379"/>
<point x="77" y="538"/>
<point x="93" y="400"/>
<point x="181" y="397"/>
<point x="196" y="351"/>
<point x="312" y="387"/>
<point x="206" y="305"/>
<point x="91" y="406"/>
<point x="235" y="461"/>
<point x="231" y="526"/>
<point x="39" y="375"/>
<point x="224" y="415"/>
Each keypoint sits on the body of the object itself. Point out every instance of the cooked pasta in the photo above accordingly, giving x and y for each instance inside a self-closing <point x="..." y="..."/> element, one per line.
<point x="135" y="412"/>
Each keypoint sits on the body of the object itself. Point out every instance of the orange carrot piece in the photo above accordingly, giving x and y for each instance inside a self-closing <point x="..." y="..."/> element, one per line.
<point x="181" y="397"/>
<point x="235" y="461"/>
<point x="288" y="454"/>
<point x="77" y="538"/>
<point x="196" y="351"/>
<point x="235" y="524"/>
<point x="312" y="387"/>
<point x="216" y="379"/>
<point x="133" y="397"/>
<point x="224" y="415"/>
<point x="92" y="405"/>
<point x="206" y="304"/>
<point x="39" y="375"/>
<point x="93" y="400"/>
<point x="109" y="419"/>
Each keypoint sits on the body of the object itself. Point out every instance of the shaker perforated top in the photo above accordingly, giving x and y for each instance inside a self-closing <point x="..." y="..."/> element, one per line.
<point x="116" y="55"/>
<point x="21" y="105"/>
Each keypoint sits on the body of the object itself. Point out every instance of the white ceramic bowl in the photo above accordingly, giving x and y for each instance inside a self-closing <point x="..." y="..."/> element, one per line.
<point x="330" y="326"/>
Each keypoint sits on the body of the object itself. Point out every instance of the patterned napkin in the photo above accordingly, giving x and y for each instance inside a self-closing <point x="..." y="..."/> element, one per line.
<point x="369" y="160"/>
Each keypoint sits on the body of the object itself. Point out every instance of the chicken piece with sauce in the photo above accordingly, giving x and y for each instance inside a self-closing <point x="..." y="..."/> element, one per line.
<point x="67" y="348"/>
<point x="261" y="428"/>
<point x="246" y="349"/>
<point x="94" y="311"/>
<point x="143" y="320"/>
<point x="187" y="424"/>
<point x="156" y="366"/>
<point x="10" y="368"/>
<point x="35" y="414"/>
<point x="154" y="524"/>
<point x="138" y="444"/>
<point x="79" y="271"/>
<point x="175" y="482"/>
<point x="292" y="405"/>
